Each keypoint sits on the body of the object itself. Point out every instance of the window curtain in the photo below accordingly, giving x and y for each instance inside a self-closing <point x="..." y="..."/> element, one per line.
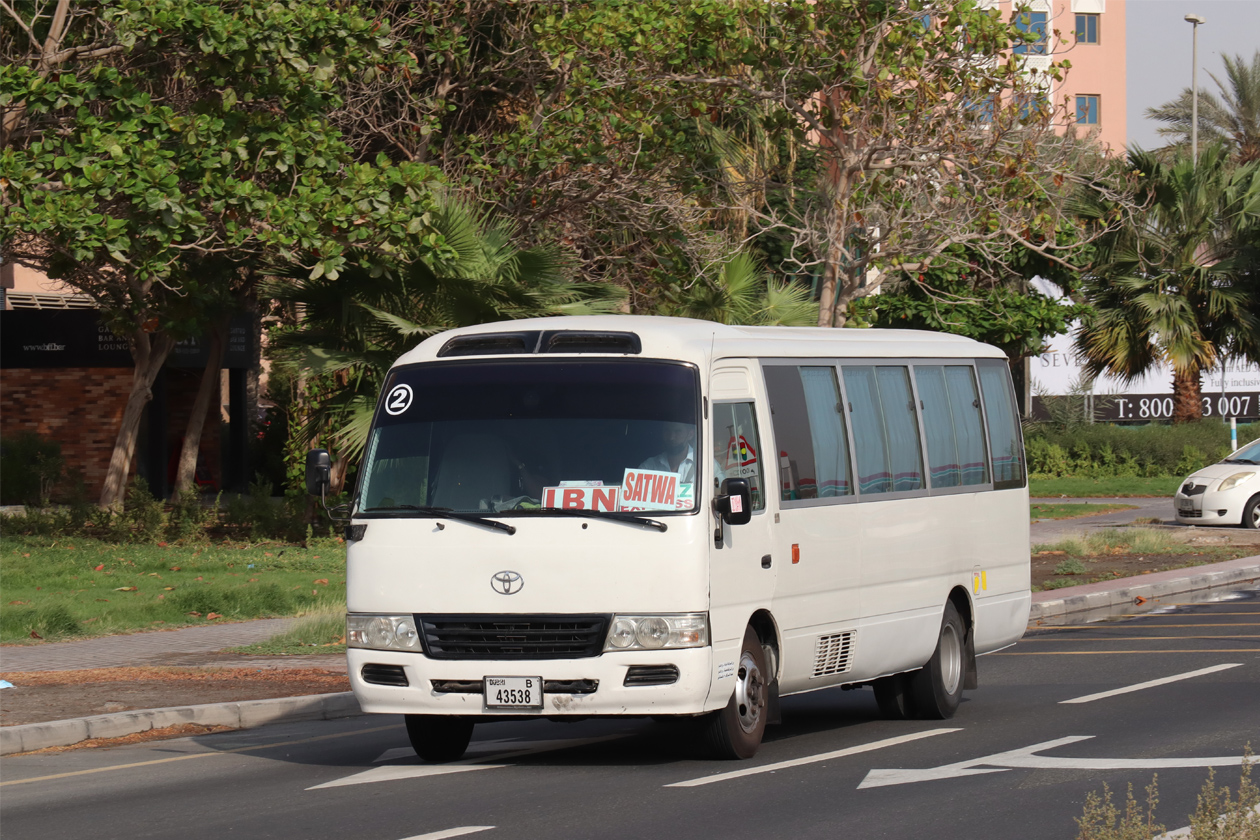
<point x="902" y="426"/>
<point x="964" y="406"/>
<point x="826" y="430"/>
<point x="870" y="449"/>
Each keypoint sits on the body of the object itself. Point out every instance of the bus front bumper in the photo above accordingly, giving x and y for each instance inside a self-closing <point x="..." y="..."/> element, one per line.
<point x="572" y="687"/>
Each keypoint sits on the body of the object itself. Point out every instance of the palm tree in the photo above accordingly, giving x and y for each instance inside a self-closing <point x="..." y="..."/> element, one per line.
<point x="744" y="294"/>
<point x="1232" y="119"/>
<point x="348" y="330"/>
<point x="1179" y="283"/>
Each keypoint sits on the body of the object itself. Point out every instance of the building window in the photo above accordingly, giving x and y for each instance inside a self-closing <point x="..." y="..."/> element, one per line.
<point x="1087" y="109"/>
<point x="1034" y="22"/>
<point x="1087" y="29"/>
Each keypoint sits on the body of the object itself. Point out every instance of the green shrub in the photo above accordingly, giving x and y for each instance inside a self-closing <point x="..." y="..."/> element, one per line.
<point x="30" y="469"/>
<point x="1105" y="450"/>
<point x="1071" y="566"/>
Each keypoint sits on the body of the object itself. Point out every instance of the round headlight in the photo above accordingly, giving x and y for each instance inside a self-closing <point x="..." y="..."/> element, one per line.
<point x="622" y="634"/>
<point x="653" y="632"/>
<point x="379" y="632"/>
<point x="405" y="635"/>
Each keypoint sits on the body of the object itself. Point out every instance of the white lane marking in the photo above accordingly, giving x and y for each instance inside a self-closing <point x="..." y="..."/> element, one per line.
<point x="451" y="832"/>
<point x="812" y="759"/>
<point x="1088" y="698"/>
<point x="1026" y="758"/>
<point x="414" y="771"/>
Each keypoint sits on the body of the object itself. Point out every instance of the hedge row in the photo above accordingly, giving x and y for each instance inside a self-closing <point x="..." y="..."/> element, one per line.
<point x="1104" y="450"/>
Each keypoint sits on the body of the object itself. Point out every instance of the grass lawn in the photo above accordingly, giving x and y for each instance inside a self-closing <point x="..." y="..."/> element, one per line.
<point x="73" y="588"/>
<point x="1056" y="511"/>
<point x="1102" y="487"/>
<point x="322" y="630"/>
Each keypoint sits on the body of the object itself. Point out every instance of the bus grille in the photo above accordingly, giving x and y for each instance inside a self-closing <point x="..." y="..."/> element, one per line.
<point x="834" y="654"/>
<point x="513" y="636"/>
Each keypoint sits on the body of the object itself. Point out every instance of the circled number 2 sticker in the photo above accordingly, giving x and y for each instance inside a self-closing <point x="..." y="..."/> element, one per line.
<point x="399" y="400"/>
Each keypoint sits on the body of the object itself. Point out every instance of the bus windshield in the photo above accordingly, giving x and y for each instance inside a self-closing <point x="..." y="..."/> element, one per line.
<point x="512" y="437"/>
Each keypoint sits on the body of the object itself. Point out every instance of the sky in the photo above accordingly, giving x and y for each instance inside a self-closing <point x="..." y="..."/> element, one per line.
<point x="1159" y="46"/>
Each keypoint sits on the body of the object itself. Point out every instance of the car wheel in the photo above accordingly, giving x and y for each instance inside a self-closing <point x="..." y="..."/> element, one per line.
<point x="937" y="687"/>
<point x="736" y="731"/>
<point x="439" y="738"/>
<point x="1251" y="513"/>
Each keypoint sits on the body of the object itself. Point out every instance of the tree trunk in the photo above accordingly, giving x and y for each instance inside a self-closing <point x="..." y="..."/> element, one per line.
<point x="187" y="470"/>
<point x="149" y="350"/>
<point x="1187" y="394"/>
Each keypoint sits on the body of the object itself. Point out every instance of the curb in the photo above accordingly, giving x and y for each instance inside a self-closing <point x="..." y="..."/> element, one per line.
<point x="245" y="714"/>
<point x="1112" y="594"/>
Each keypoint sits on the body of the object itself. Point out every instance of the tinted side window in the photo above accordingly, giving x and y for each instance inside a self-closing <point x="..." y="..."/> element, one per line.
<point x="737" y="448"/>
<point x="952" y="424"/>
<point x="809" y="432"/>
<point x="885" y="428"/>
<point x="1005" y="443"/>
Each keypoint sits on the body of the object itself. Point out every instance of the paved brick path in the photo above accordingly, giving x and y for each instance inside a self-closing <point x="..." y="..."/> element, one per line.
<point x="187" y="646"/>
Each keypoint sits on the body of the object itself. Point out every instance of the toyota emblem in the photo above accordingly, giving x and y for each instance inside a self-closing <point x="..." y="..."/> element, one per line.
<point x="507" y="583"/>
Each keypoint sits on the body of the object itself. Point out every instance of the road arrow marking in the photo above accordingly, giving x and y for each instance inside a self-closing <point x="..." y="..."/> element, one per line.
<point x="1027" y="758"/>
<point x="414" y="771"/>
<point x="452" y="832"/>
<point x="812" y="759"/>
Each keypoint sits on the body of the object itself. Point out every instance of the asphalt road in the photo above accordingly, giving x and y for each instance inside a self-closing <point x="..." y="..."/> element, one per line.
<point x="1016" y="761"/>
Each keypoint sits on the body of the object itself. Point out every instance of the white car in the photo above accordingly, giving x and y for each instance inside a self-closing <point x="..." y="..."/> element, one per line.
<point x="1227" y="493"/>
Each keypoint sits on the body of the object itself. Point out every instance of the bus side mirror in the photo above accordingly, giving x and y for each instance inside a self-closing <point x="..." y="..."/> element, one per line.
<point x="318" y="472"/>
<point x="734" y="503"/>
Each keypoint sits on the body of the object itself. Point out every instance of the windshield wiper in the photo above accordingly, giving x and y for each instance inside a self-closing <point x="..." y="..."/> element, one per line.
<point x="445" y="512"/>
<point x="1240" y="461"/>
<point x="619" y="516"/>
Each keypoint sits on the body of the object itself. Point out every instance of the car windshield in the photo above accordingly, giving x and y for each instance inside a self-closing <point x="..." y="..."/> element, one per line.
<point x="511" y="437"/>
<point x="1248" y="454"/>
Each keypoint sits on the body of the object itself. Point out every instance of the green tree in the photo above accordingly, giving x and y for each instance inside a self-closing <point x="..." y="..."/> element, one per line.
<point x="158" y="153"/>
<point x="1232" y="118"/>
<point x="353" y="326"/>
<point x="1179" y="282"/>
<point x="743" y="293"/>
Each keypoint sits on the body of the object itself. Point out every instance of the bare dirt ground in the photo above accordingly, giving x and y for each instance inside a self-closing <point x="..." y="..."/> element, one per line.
<point x="1110" y="566"/>
<point x="39" y="696"/>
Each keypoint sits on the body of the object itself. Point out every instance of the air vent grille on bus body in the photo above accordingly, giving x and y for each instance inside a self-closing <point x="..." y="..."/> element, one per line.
<point x="835" y="654"/>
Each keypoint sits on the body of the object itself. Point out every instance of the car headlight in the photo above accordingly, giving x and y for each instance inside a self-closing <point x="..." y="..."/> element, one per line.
<point x="1235" y="480"/>
<point x="658" y="632"/>
<point x="382" y="632"/>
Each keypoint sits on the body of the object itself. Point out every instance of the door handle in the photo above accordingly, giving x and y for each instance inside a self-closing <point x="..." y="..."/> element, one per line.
<point x="765" y="562"/>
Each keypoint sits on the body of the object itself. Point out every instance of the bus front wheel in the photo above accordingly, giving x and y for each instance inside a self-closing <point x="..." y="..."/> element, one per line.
<point x="937" y="687"/>
<point x="736" y="731"/>
<point x="439" y="738"/>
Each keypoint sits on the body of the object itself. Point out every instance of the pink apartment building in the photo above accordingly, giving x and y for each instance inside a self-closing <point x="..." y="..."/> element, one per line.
<point x="1090" y="34"/>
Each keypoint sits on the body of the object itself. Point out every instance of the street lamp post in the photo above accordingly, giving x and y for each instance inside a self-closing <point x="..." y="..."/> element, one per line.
<point x="1194" y="21"/>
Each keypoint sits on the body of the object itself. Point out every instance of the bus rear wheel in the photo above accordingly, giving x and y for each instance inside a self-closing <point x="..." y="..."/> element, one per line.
<point x="936" y="688"/>
<point x="439" y="738"/>
<point x="736" y="731"/>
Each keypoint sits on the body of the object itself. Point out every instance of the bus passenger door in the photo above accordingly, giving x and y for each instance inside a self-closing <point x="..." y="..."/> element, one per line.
<point x="742" y="569"/>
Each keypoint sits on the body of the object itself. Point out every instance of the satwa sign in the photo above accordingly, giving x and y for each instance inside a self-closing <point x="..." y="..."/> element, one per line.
<point x="649" y="490"/>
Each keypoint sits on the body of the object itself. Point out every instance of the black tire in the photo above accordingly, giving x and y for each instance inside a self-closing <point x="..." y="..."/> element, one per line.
<point x="937" y="687"/>
<point x="439" y="738"/>
<point x="894" y="697"/>
<point x="736" y="731"/>
<point x="1251" y="513"/>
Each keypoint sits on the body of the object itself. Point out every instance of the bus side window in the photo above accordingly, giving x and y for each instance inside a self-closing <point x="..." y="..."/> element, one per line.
<point x="809" y="431"/>
<point x="952" y="424"/>
<point x="1004" y="439"/>
<point x="737" y="448"/>
<point x="885" y="428"/>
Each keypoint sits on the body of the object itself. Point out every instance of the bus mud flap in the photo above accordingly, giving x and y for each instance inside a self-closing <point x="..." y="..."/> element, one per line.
<point x="971" y="677"/>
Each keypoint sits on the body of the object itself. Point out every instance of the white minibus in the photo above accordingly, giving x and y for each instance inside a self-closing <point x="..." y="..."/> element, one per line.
<point x="644" y="516"/>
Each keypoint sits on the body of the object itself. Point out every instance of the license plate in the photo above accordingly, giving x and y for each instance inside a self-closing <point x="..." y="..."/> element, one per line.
<point x="513" y="692"/>
<point x="1186" y="506"/>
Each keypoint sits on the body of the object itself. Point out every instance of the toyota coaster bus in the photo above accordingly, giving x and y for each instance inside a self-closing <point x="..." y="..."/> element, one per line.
<point x="627" y="515"/>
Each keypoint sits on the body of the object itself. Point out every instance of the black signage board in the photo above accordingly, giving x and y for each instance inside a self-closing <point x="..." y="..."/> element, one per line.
<point x="50" y="338"/>
<point x="1108" y="408"/>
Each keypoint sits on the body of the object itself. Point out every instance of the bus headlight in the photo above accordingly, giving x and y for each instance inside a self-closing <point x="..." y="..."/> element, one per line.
<point x="658" y="632"/>
<point x="382" y="632"/>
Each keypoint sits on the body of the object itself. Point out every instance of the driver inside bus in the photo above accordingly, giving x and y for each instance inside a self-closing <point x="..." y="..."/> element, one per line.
<point x="679" y="454"/>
